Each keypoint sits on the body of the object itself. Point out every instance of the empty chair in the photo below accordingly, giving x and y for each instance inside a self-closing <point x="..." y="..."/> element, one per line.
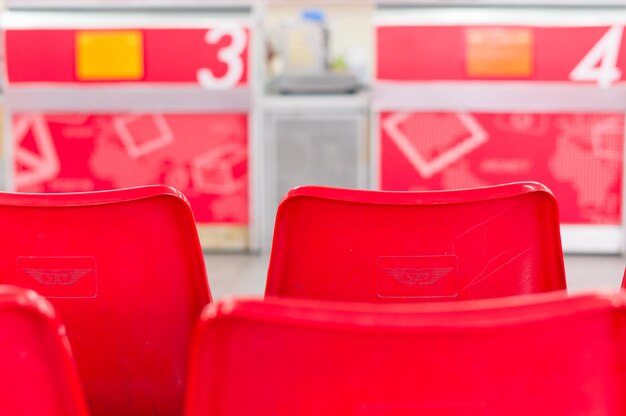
<point x="375" y="246"/>
<point x="125" y="271"/>
<point x="529" y="355"/>
<point x="37" y="373"/>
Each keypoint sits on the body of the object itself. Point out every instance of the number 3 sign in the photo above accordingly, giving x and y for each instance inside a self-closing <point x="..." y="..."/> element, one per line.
<point x="214" y="57"/>
<point x="230" y="55"/>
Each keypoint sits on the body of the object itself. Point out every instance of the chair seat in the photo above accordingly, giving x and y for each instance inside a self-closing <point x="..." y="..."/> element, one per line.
<point x="541" y="354"/>
<point x="125" y="271"/>
<point x="37" y="373"/>
<point x="385" y="247"/>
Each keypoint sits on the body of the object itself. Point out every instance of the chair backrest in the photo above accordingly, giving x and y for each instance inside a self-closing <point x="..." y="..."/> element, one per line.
<point x="375" y="246"/>
<point x="125" y="271"/>
<point x="539" y="354"/>
<point x="37" y="373"/>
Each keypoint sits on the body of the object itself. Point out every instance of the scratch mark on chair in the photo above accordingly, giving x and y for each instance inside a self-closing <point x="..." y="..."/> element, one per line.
<point x="480" y="278"/>
<point x="482" y="223"/>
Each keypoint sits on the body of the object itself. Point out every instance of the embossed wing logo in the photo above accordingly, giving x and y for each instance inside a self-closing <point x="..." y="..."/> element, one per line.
<point x="65" y="277"/>
<point x="421" y="276"/>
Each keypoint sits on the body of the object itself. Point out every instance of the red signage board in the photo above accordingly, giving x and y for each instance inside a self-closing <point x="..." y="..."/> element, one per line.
<point x="215" y="58"/>
<point x="509" y="53"/>
<point x="578" y="156"/>
<point x="205" y="156"/>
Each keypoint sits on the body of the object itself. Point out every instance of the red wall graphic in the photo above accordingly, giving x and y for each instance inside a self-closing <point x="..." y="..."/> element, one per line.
<point x="578" y="156"/>
<point x="203" y="155"/>
<point x="521" y="53"/>
<point x="215" y="57"/>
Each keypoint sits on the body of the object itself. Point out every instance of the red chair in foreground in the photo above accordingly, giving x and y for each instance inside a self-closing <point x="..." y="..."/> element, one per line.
<point x="125" y="272"/>
<point x="372" y="246"/>
<point x="37" y="373"/>
<point x="528" y="355"/>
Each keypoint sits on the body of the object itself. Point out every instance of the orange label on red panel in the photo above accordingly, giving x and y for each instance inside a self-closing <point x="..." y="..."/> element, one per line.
<point x="587" y="54"/>
<point x="109" y="55"/>
<point x="209" y="57"/>
<point x="499" y="52"/>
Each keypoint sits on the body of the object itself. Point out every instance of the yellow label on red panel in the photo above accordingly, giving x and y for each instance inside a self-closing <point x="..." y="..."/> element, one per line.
<point x="109" y="55"/>
<point x="499" y="52"/>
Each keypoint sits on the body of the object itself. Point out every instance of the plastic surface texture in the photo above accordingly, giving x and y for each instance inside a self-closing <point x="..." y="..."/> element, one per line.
<point x="37" y="373"/>
<point x="125" y="272"/>
<point x="542" y="354"/>
<point x="375" y="246"/>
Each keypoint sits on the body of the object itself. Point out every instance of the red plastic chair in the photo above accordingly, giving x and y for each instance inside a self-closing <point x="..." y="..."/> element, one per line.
<point x="374" y="246"/>
<point x="37" y="373"/>
<point x="528" y="355"/>
<point x="125" y="271"/>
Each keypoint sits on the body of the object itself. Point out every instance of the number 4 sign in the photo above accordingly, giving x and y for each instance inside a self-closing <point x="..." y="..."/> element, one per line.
<point x="493" y="53"/>
<point x="600" y="63"/>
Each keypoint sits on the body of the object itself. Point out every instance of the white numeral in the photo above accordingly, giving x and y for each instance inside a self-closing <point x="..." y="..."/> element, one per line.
<point x="230" y="55"/>
<point x="600" y="63"/>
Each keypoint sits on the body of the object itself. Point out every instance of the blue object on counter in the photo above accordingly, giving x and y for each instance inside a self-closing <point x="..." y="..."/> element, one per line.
<point x="313" y="15"/>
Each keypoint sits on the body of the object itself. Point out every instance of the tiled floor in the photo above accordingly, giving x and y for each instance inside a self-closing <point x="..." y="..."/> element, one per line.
<point x="594" y="272"/>
<point x="244" y="275"/>
<point x="236" y="274"/>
